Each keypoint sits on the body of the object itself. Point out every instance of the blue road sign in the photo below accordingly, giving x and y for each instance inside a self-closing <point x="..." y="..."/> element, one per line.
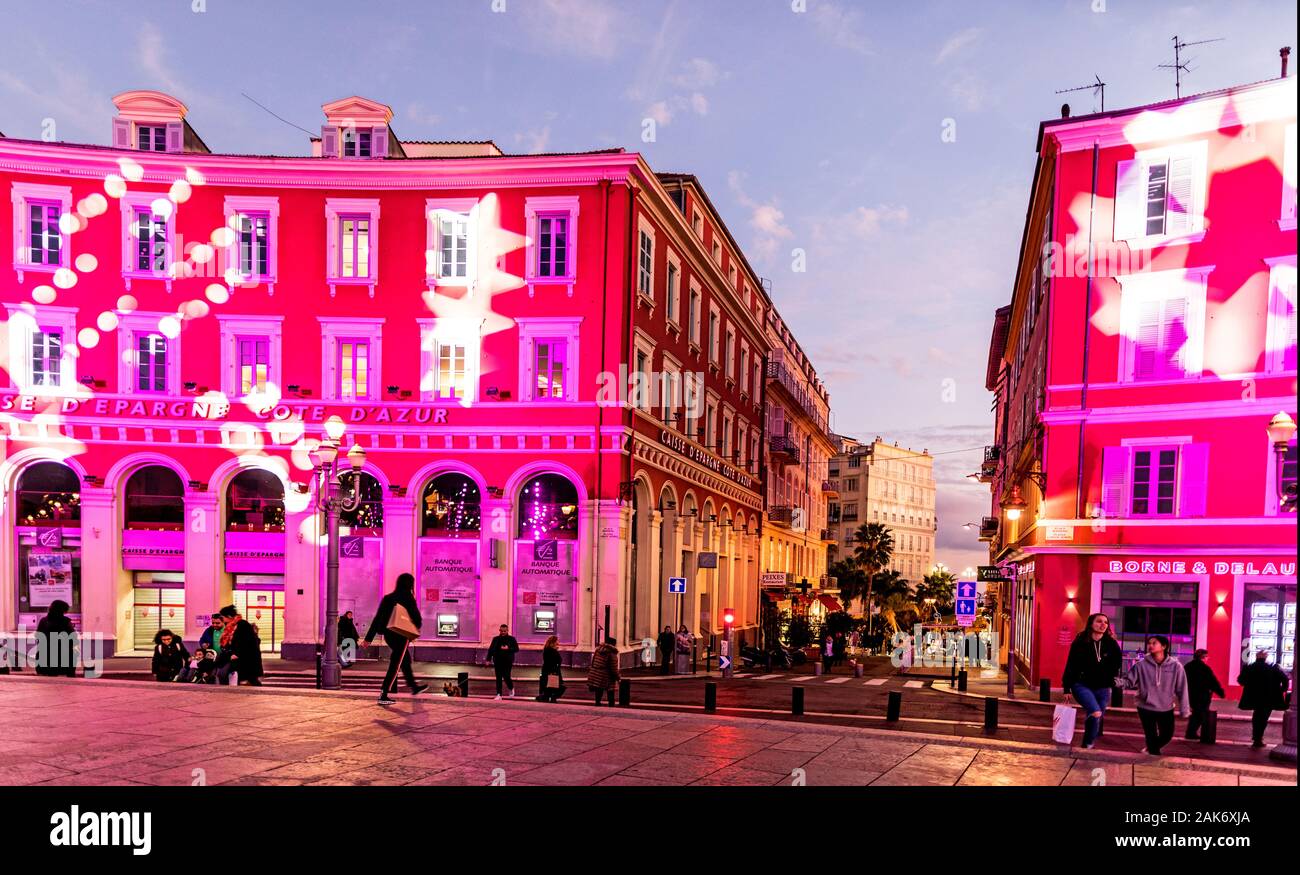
<point x="724" y="663"/>
<point x="677" y="585"/>
<point x="965" y="589"/>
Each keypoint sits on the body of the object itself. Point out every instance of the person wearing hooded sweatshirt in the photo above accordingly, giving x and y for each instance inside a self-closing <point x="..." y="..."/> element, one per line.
<point x="57" y="642"/>
<point x="169" y="656"/>
<point x="1202" y="687"/>
<point x="1161" y="685"/>
<point x="602" y="676"/>
<point x="1094" y="661"/>
<point x="399" y="648"/>
<point x="1263" y="691"/>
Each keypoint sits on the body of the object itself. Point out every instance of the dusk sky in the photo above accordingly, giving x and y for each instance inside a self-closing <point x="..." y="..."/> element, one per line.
<point x="817" y="130"/>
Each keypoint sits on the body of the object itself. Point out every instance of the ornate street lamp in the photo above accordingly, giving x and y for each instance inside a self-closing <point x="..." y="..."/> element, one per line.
<point x="1281" y="430"/>
<point x="1015" y="505"/>
<point x="334" y="498"/>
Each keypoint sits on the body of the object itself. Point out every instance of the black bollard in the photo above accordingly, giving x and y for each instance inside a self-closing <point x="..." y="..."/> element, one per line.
<point x="1045" y="690"/>
<point x="991" y="714"/>
<point x="1117" y="697"/>
<point x="895" y="705"/>
<point x="462" y="681"/>
<point x="1210" y="729"/>
<point x="625" y="693"/>
<point x="710" y="696"/>
<point x="796" y="700"/>
<point x="961" y="681"/>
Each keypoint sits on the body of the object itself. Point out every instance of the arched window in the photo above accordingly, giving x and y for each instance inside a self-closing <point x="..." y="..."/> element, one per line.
<point x="368" y="518"/>
<point x="49" y="494"/>
<point x="255" y="502"/>
<point x="548" y="508"/>
<point x="155" y="499"/>
<point x="451" y="507"/>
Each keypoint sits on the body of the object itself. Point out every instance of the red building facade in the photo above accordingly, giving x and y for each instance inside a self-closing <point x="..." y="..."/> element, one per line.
<point x="492" y="330"/>
<point x="1150" y="340"/>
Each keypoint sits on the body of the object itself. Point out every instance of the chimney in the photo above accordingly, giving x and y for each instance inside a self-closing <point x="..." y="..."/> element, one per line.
<point x="1065" y="110"/>
<point x="1285" y="52"/>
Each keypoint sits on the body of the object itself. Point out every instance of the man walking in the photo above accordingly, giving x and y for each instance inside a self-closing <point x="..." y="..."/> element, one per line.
<point x="501" y="653"/>
<point x="667" y="646"/>
<point x="1202" y="686"/>
<point x="1263" y="691"/>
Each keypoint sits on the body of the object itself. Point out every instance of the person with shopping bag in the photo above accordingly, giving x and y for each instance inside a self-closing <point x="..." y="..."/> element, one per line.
<point x="1093" y="663"/>
<point x="398" y="620"/>
<point x="551" y="684"/>
<point x="1161" y="684"/>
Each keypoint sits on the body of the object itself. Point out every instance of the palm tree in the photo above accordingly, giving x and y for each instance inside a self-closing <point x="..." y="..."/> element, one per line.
<point x="874" y="548"/>
<point x="940" y="586"/>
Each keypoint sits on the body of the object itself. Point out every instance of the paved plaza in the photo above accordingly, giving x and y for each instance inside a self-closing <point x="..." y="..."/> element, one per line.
<point x="103" y="732"/>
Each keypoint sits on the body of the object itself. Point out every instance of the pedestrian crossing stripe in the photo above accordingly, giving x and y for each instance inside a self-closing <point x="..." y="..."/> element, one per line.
<point x="839" y="680"/>
<point x="876" y="682"/>
<point x="768" y="677"/>
<point x="914" y="684"/>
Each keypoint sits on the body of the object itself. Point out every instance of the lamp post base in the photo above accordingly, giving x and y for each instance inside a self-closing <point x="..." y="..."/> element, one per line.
<point x="331" y="676"/>
<point x="1286" y="750"/>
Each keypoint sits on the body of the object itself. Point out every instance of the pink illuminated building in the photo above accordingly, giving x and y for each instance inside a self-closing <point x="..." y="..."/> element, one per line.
<point x="552" y="362"/>
<point x="1133" y="472"/>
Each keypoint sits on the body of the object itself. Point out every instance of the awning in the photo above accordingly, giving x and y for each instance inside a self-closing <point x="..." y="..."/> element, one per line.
<point x="830" y="602"/>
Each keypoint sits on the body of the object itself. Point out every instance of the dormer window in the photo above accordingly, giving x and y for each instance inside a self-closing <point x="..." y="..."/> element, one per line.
<point x="151" y="138"/>
<point x="356" y="128"/>
<point x="356" y="142"/>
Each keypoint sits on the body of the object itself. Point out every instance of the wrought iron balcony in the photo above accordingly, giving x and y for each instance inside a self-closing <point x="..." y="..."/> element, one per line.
<point x="781" y="515"/>
<point x="989" y="467"/>
<point x="830" y="487"/>
<point x="785" y="446"/>
<point x="988" y="528"/>
<point x="827" y="535"/>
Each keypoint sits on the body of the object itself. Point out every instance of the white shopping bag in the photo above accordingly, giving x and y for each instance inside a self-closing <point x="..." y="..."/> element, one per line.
<point x="1063" y="718"/>
<point x="234" y="682"/>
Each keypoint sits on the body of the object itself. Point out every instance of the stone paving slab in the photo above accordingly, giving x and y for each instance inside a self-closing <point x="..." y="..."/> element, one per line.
<point x="100" y="732"/>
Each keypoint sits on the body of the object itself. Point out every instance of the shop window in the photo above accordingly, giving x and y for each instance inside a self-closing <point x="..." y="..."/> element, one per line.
<point x="451" y="507"/>
<point x="255" y="502"/>
<point x="1139" y="610"/>
<point x="368" y="518"/>
<point x="157" y="606"/>
<point x="548" y="509"/>
<point x="155" y="499"/>
<point x="49" y="494"/>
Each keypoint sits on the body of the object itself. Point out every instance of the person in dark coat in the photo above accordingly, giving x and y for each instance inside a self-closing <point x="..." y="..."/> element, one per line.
<point x="501" y="656"/>
<point x="241" y="650"/>
<point x="841" y="645"/>
<point x="828" y="654"/>
<point x="399" y="647"/>
<point x="667" y="647"/>
<point x="548" y="691"/>
<point x="169" y="656"/>
<point x="602" y="675"/>
<point x="348" y="638"/>
<point x="56" y="642"/>
<point x="1093" y="663"/>
<point x="1263" y="691"/>
<point x="1202" y="686"/>
<point x="211" y="637"/>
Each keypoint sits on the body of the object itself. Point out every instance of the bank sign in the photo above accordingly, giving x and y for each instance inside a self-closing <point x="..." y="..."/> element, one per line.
<point x="697" y="454"/>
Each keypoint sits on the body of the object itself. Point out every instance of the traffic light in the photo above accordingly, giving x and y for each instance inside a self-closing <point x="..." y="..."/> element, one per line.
<point x="728" y="617"/>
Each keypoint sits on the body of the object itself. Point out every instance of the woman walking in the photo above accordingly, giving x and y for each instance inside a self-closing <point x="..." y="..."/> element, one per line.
<point x="551" y="685"/>
<point x="393" y="626"/>
<point x="1161" y="685"/>
<point x="602" y="676"/>
<point x="1094" y="662"/>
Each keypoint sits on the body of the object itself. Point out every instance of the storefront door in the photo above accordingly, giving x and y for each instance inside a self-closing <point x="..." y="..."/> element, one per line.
<point x="259" y="598"/>
<point x="159" y="604"/>
<point x="1138" y="610"/>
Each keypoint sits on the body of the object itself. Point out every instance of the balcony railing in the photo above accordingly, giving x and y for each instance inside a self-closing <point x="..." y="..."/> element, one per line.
<point x="988" y="528"/>
<point x="827" y="535"/>
<point x="989" y="467"/>
<point x="781" y="515"/>
<point x="830" y="487"/>
<point x="785" y="446"/>
<point x="779" y="373"/>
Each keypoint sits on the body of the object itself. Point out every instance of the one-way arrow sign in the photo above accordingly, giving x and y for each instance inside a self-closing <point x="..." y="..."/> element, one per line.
<point x="965" y="589"/>
<point x="724" y="663"/>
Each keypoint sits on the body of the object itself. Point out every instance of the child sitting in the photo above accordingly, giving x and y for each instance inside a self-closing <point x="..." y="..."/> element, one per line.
<point x="201" y="667"/>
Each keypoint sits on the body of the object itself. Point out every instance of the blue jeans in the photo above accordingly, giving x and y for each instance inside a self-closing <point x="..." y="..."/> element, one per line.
<point x="1091" y="700"/>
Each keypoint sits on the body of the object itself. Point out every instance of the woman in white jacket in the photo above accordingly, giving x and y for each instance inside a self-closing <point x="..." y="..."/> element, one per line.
<point x="1161" y="686"/>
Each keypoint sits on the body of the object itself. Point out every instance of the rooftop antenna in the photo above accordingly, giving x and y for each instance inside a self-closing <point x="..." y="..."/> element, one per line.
<point x="1179" y="66"/>
<point x="1097" y="87"/>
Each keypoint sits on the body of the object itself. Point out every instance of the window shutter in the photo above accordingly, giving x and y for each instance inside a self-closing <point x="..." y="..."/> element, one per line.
<point x="1180" y="207"/>
<point x="175" y="136"/>
<point x="329" y="141"/>
<point x="121" y="133"/>
<point x="1289" y="175"/>
<point x="1287" y="312"/>
<point x="1130" y="186"/>
<point x="1146" y="341"/>
<point x="379" y="142"/>
<point x="1193" y="479"/>
<point x="1173" y="359"/>
<point x="1116" y="463"/>
<point x="22" y="240"/>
